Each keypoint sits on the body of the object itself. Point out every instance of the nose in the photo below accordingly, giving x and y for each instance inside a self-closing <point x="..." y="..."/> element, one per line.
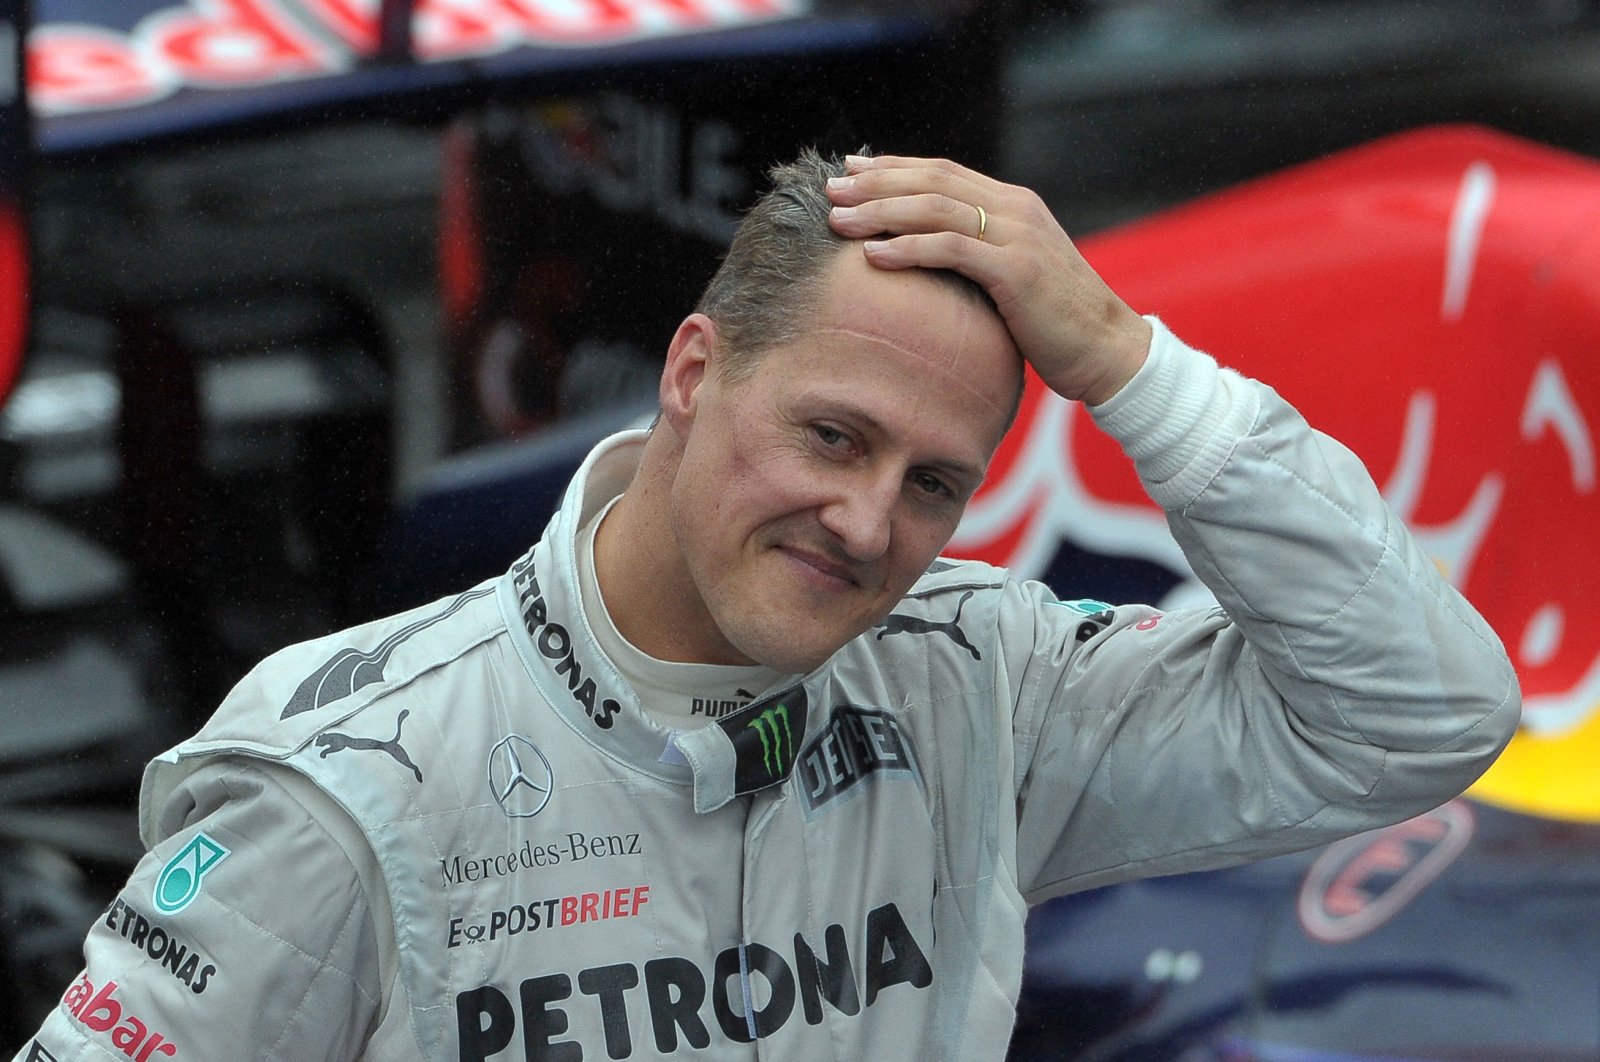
<point x="861" y="514"/>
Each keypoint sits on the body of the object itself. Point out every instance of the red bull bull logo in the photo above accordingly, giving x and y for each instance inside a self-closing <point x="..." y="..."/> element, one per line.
<point x="1432" y="301"/>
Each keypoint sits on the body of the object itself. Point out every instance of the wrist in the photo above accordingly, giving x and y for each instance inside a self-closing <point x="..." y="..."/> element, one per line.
<point x="1123" y="354"/>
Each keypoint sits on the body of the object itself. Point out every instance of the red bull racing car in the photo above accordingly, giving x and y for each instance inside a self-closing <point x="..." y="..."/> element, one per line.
<point x="1432" y="299"/>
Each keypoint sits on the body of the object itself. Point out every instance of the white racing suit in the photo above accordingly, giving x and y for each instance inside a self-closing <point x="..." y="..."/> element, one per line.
<point x="456" y="834"/>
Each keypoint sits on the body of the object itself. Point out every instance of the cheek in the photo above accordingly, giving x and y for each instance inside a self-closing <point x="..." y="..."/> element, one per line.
<point x="763" y="482"/>
<point x="919" y="539"/>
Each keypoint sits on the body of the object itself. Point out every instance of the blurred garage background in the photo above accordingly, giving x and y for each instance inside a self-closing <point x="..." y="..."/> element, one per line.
<point x="295" y="340"/>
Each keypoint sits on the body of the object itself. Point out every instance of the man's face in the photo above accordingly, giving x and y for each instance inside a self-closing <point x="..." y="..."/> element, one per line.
<point x="813" y="492"/>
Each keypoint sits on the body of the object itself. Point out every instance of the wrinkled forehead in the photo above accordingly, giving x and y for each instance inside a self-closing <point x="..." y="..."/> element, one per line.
<point x="948" y="365"/>
<point x="913" y="313"/>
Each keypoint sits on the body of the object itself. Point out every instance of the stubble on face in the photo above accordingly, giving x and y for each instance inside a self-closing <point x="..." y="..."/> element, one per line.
<point x="793" y="548"/>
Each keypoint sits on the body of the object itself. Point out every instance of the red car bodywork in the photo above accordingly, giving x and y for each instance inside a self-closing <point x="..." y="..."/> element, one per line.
<point x="1433" y="301"/>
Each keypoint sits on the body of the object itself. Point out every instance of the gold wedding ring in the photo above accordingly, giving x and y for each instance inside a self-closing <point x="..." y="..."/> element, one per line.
<point x="983" y="220"/>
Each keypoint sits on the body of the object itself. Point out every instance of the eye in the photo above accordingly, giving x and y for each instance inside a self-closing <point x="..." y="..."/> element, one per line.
<point x="932" y="485"/>
<point x="829" y="437"/>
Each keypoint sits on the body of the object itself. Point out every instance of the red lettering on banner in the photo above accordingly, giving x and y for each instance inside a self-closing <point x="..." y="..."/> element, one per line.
<point x="452" y="28"/>
<point x="446" y="29"/>
<point x="83" y="68"/>
<point x="354" y="21"/>
<point x="589" y="20"/>
<point x="442" y="29"/>
<point x="600" y="21"/>
<point x="228" y="42"/>
<point x="688" y="12"/>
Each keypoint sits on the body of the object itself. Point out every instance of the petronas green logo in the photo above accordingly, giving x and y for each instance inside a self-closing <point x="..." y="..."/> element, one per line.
<point x="772" y="727"/>
<point x="179" y="881"/>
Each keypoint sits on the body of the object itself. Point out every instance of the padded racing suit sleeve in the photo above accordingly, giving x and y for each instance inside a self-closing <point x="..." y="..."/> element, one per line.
<point x="243" y="934"/>
<point x="1341" y="685"/>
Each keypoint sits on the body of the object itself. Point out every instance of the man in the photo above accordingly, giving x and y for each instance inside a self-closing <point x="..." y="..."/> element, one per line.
<point x="730" y="763"/>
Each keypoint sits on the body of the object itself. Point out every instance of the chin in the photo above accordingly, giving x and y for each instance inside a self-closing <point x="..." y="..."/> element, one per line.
<point x="783" y="652"/>
<point x="791" y="660"/>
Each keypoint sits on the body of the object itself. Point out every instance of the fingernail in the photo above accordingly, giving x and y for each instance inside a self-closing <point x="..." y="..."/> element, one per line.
<point x="858" y="161"/>
<point x="876" y="245"/>
<point x="844" y="213"/>
<point x="841" y="182"/>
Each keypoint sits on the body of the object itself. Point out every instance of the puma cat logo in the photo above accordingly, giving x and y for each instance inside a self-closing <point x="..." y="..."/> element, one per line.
<point x="331" y="743"/>
<point x="950" y="628"/>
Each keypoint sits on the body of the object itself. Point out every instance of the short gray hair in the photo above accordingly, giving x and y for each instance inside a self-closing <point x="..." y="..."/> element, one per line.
<point x="767" y="290"/>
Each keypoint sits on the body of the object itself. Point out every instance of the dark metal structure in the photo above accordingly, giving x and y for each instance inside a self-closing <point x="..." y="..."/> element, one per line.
<point x="328" y="297"/>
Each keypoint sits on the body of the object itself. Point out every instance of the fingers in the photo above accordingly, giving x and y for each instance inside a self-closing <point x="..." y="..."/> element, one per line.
<point x="944" y="250"/>
<point x="925" y="212"/>
<point x="1079" y="335"/>
<point x="901" y="215"/>
<point x="896" y="196"/>
<point x="910" y="168"/>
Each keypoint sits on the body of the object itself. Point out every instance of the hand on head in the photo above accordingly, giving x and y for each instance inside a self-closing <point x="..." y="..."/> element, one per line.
<point x="1080" y="337"/>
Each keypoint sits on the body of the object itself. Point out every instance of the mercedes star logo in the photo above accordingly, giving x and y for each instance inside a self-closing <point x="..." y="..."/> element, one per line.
<point x="519" y="777"/>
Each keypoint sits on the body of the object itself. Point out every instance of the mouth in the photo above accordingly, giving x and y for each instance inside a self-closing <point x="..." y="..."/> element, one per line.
<point x="820" y="570"/>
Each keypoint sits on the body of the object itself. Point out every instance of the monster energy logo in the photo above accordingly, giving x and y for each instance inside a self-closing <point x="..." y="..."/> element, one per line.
<point x="179" y="881"/>
<point x="764" y="736"/>
<point x="772" y="737"/>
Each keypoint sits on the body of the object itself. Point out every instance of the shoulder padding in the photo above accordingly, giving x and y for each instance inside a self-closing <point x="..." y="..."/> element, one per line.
<point x="298" y="692"/>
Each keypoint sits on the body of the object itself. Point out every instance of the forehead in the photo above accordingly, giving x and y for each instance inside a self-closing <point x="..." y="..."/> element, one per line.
<point x="906" y="357"/>
<point x="850" y="282"/>
<point x="914" y="315"/>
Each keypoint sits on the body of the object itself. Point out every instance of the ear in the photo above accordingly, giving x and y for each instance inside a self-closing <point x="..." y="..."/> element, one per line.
<point x="689" y="359"/>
